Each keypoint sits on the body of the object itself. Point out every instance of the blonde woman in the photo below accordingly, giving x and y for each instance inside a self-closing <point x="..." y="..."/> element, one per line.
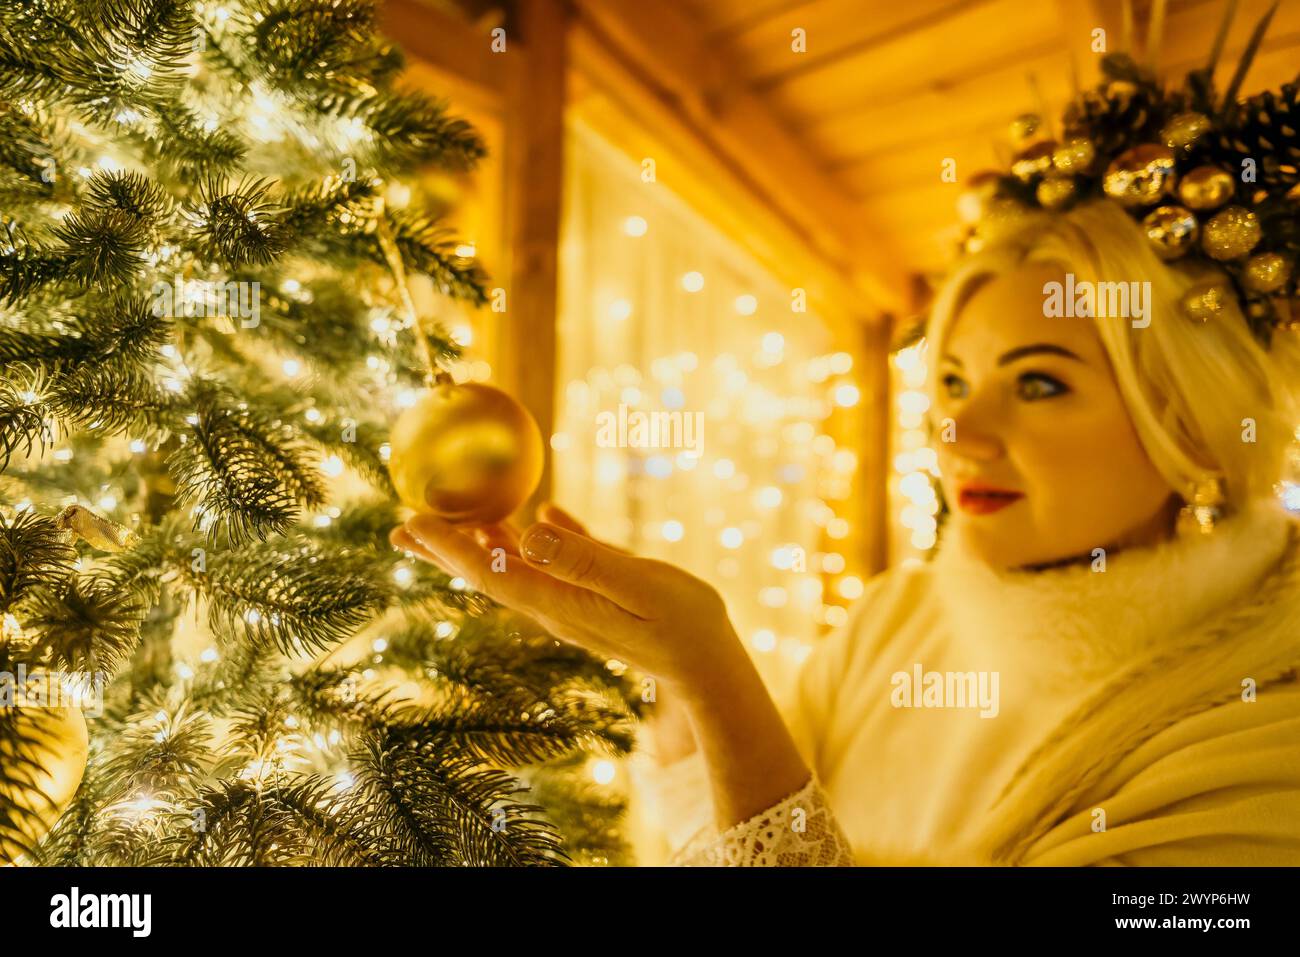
<point x="1115" y="597"/>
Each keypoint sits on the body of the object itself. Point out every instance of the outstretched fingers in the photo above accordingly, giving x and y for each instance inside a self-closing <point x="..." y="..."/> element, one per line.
<point x="564" y="608"/>
<point x="579" y="560"/>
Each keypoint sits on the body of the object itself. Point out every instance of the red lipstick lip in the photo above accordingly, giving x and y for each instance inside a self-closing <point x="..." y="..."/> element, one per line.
<point x="986" y="499"/>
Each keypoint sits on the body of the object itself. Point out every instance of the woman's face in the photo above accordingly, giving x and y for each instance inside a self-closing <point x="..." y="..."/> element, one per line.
<point x="1040" y="461"/>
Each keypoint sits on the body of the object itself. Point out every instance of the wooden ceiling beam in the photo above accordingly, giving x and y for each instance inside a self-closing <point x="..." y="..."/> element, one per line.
<point x="447" y="42"/>
<point x="673" y="53"/>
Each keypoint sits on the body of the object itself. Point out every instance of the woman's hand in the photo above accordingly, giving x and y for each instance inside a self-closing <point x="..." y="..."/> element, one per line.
<point x="648" y="613"/>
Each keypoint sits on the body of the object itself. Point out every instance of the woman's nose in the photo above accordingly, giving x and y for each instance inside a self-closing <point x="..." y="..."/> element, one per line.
<point x="971" y="434"/>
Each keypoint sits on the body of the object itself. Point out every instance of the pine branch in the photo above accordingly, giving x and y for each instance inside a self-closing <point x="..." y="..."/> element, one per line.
<point x="429" y="248"/>
<point x="184" y="148"/>
<point x="323" y="208"/>
<point x="248" y="475"/>
<point x="504" y="730"/>
<point x="34" y="553"/>
<point x="84" y="625"/>
<point x="26" y="265"/>
<point x="302" y="821"/>
<point x="112" y="398"/>
<point x="298" y="44"/>
<point x="101" y="247"/>
<point x="124" y="329"/>
<point x="239" y="223"/>
<point x="443" y="808"/>
<point x="291" y="594"/>
<point x="23" y="416"/>
<point x="409" y="130"/>
<point x="158" y="754"/>
<point x="588" y="815"/>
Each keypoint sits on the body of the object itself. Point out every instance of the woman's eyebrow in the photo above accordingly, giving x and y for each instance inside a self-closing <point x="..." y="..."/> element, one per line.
<point x="1036" y="348"/>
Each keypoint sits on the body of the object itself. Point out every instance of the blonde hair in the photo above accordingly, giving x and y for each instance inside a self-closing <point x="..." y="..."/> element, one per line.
<point x="1188" y="385"/>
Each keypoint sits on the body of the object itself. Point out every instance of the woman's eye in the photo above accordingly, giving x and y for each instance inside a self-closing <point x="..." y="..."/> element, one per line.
<point x="1035" y="385"/>
<point x="955" y="387"/>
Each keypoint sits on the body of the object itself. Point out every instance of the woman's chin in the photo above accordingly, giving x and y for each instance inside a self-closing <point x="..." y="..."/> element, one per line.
<point x="1005" y="544"/>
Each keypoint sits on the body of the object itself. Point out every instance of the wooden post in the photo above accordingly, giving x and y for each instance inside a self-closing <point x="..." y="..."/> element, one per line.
<point x="534" y="170"/>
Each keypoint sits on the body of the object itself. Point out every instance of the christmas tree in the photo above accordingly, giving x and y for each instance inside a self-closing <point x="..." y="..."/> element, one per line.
<point x="212" y="226"/>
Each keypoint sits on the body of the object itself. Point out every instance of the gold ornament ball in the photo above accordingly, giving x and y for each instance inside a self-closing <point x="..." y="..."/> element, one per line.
<point x="1171" y="230"/>
<point x="1231" y="233"/>
<point x="1074" y="155"/>
<point x="1204" y="301"/>
<point x="468" y="453"/>
<point x="1266" y="272"/>
<point x="1034" y="160"/>
<point x="1182" y="131"/>
<point x="1054" y="192"/>
<point x="1141" y="175"/>
<point x="1206" y="187"/>
<point x="43" y="751"/>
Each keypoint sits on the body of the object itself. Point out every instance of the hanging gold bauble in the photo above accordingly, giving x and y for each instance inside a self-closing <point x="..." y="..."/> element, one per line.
<point x="1266" y="272"/>
<point x="1206" y="187"/>
<point x="1171" y="230"/>
<point x="1205" y="301"/>
<point x="1141" y="175"/>
<point x="1074" y="155"/>
<point x="468" y="453"/>
<point x="1034" y="160"/>
<point x="1054" y="192"/>
<point x="1182" y="131"/>
<point x="1231" y="233"/>
<point x="43" y="751"/>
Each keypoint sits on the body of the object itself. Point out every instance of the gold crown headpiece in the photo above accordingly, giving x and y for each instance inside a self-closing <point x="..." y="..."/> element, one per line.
<point x="1205" y="175"/>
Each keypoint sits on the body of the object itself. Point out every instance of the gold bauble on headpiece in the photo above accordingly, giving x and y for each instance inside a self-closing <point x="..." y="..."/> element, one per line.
<point x="1140" y="176"/>
<point x="1171" y="230"/>
<point x="1267" y="272"/>
<point x="1205" y="301"/>
<point x="1182" y="132"/>
<point x="1055" y="192"/>
<point x="1075" y="155"/>
<point x="1034" y="160"/>
<point x="1170" y="157"/>
<point x="1206" y="187"/>
<point x="1231" y="233"/>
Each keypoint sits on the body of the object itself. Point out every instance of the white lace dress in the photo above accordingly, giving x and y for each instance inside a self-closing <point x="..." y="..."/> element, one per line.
<point x="798" y="831"/>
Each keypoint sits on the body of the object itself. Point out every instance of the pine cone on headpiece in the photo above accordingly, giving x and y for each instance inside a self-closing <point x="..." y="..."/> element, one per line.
<point x="1266" y="128"/>
<point x="1125" y="110"/>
